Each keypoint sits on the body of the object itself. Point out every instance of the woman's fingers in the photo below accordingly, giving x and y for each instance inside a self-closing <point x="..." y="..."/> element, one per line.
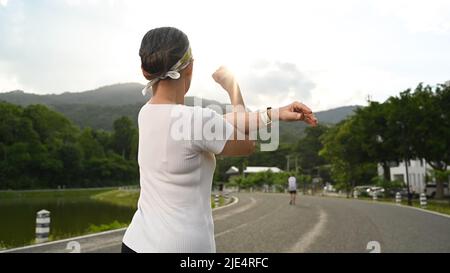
<point x="300" y="107"/>
<point x="311" y="119"/>
<point x="294" y="116"/>
<point x="304" y="113"/>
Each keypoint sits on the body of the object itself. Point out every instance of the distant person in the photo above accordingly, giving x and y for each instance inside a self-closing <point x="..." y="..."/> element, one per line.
<point x="174" y="208"/>
<point x="292" y="189"/>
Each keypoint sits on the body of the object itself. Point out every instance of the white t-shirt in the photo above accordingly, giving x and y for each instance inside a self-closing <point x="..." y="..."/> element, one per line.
<point x="292" y="183"/>
<point x="174" y="208"/>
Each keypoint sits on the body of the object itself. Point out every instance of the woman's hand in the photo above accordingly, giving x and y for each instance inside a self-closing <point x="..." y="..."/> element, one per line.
<point x="226" y="79"/>
<point x="295" y="111"/>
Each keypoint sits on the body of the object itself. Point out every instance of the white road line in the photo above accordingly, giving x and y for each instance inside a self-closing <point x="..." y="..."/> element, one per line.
<point x="308" y="239"/>
<point x="391" y="204"/>
<point x="247" y="223"/>
<point x="235" y="201"/>
<point x="237" y="210"/>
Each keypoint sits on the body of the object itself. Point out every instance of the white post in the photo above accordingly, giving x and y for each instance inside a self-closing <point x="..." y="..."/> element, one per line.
<point x="375" y="196"/>
<point x="355" y="194"/>
<point x="273" y="188"/>
<point x="398" y="198"/>
<point x="423" y="200"/>
<point x="42" y="226"/>
<point x="216" y="201"/>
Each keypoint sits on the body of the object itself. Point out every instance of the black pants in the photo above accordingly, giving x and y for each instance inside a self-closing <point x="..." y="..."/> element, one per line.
<point x="126" y="249"/>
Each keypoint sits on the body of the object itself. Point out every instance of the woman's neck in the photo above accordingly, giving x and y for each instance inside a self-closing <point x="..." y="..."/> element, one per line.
<point x="168" y="92"/>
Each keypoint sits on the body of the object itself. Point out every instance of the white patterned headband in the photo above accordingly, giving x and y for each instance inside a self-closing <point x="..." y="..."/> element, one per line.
<point x="173" y="73"/>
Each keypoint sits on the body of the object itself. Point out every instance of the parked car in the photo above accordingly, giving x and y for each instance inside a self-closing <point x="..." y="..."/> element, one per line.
<point x="369" y="191"/>
<point x="362" y="190"/>
<point x="430" y="190"/>
<point x="378" y="191"/>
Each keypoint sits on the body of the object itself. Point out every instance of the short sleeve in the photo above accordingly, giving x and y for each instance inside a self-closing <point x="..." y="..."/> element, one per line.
<point x="210" y="130"/>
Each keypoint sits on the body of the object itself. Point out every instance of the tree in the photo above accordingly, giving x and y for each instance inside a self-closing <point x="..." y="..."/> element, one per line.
<point x="341" y="147"/>
<point x="40" y="148"/>
<point x="307" y="149"/>
<point x="309" y="146"/>
<point x="90" y="146"/>
<point x="71" y="156"/>
<point x="124" y="137"/>
<point x="372" y="130"/>
<point x="431" y="129"/>
<point x="50" y="125"/>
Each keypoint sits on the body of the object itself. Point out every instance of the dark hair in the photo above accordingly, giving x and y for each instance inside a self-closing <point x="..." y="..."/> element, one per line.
<point x="161" y="49"/>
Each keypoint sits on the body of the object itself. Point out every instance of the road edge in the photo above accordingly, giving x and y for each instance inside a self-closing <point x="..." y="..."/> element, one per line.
<point x="235" y="201"/>
<point x="392" y="204"/>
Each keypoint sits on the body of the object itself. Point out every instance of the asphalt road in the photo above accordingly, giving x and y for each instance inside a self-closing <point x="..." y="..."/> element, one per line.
<point x="262" y="222"/>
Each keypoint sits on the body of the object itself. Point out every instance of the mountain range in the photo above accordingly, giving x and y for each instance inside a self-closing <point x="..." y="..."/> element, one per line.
<point x="99" y="108"/>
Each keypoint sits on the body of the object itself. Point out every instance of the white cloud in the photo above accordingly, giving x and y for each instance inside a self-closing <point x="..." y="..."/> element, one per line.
<point x="276" y="82"/>
<point x="339" y="51"/>
<point x="3" y="3"/>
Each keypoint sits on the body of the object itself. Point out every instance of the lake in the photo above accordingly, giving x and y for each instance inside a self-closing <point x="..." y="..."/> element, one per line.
<point x="72" y="213"/>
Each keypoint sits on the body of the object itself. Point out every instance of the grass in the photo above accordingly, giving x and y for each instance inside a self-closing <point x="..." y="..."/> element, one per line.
<point x="3" y="245"/>
<point x="52" y="193"/>
<point x="221" y="201"/>
<point x="127" y="198"/>
<point x="106" y="227"/>
<point x="90" y="230"/>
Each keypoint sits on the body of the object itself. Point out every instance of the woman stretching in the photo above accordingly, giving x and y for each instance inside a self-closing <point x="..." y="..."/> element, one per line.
<point x="177" y="153"/>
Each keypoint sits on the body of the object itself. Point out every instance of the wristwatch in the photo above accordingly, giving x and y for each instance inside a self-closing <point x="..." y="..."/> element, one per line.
<point x="264" y="116"/>
<point x="269" y="117"/>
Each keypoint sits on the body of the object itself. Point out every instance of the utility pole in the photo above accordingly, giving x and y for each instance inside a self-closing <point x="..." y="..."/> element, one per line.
<point x="407" y="183"/>
<point x="402" y="126"/>
<point x="296" y="164"/>
<point x="288" y="157"/>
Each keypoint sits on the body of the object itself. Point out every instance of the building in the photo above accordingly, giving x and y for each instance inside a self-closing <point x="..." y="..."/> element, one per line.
<point x="249" y="170"/>
<point x="234" y="171"/>
<point x="417" y="172"/>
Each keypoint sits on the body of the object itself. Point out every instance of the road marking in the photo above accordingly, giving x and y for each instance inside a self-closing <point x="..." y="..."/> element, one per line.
<point x="247" y="223"/>
<point x="308" y="239"/>
<point x="235" y="201"/>
<point x="237" y="210"/>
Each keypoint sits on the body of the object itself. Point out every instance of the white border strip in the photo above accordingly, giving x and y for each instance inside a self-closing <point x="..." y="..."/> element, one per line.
<point x="391" y="204"/>
<point x="426" y="210"/>
<point x="64" y="240"/>
<point x="236" y="200"/>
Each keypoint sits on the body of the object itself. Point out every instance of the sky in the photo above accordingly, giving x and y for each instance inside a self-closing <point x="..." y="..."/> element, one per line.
<point x="324" y="53"/>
